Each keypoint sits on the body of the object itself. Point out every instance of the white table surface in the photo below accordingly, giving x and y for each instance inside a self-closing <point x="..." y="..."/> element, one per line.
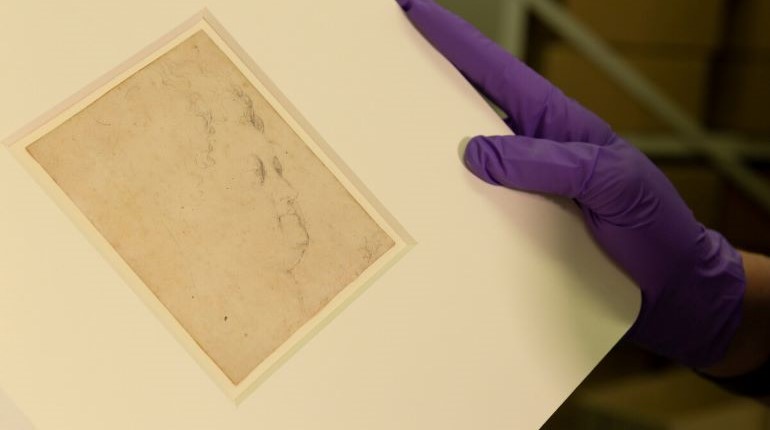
<point x="490" y="321"/>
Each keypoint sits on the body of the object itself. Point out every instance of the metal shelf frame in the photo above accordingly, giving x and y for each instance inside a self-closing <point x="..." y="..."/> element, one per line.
<point x="730" y="155"/>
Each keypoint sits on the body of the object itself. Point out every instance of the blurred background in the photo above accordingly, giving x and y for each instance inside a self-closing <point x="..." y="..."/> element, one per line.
<point x="688" y="82"/>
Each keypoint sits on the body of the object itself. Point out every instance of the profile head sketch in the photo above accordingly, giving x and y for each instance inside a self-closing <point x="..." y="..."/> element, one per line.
<point x="224" y="125"/>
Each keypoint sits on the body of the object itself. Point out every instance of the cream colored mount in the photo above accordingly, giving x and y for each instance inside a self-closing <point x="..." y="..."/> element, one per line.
<point x="222" y="208"/>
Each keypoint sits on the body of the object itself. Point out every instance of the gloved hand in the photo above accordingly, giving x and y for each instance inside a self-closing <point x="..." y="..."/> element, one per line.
<point x="691" y="279"/>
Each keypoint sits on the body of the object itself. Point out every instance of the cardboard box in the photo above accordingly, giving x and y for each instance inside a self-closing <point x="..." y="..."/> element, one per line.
<point x="744" y="222"/>
<point x="748" y="28"/>
<point x="672" y="400"/>
<point x="693" y="24"/>
<point x="742" y="96"/>
<point x="683" y="78"/>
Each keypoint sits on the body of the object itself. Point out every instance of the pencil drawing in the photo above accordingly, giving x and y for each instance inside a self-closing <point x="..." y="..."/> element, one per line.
<point x="214" y="201"/>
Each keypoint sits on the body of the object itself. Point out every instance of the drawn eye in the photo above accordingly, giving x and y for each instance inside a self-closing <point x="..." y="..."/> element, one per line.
<point x="260" y="170"/>
<point x="277" y="166"/>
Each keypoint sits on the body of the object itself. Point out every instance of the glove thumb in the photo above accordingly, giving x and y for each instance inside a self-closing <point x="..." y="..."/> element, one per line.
<point x="528" y="164"/>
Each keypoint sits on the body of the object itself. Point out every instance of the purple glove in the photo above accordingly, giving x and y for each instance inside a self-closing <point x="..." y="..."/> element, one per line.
<point x="691" y="279"/>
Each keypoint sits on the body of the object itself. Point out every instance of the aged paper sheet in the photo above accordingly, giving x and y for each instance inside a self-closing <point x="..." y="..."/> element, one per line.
<point x="214" y="202"/>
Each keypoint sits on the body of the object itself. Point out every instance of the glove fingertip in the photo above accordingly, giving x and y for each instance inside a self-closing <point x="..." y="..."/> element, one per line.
<point x="478" y="154"/>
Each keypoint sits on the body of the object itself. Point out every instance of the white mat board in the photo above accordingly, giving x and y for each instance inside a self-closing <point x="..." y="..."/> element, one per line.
<point x="502" y="307"/>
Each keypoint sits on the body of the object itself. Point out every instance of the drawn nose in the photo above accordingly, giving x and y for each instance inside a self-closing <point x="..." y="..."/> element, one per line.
<point x="286" y="195"/>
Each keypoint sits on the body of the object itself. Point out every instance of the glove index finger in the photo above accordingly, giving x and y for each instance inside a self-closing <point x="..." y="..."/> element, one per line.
<point x="535" y="107"/>
<point x="536" y="165"/>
